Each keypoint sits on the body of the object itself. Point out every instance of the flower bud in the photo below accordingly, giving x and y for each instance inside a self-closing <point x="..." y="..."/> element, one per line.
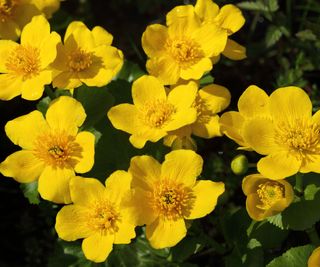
<point x="239" y="164"/>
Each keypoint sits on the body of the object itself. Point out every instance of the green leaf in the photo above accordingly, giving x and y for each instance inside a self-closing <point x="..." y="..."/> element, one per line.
<point x="43" y="105"/>
<point x="30" y="191"/>
<point x="276" y="220"/>
<point x="273" y="35"/>
<point x="130" y="71"/>
<point x="273" y="5"/>
<point x="253" y="6"/>
<point x="187" y="247"/>
<point x="294" y="257"/>
<point x="96" y="102"/>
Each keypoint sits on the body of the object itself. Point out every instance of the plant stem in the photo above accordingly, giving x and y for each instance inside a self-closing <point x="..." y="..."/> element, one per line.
<point x="299" y="183"/>
<point x="49" y="92"/>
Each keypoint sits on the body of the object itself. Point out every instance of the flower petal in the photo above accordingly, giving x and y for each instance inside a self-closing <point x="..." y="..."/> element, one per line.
<point x="32" y="89"/>
<point x="182" y="166"/>
<point x="84" y="191"/>
<point x="181" y="118"/>
<point x="97" y="247"/>
<point x="145" y="171"/>
<point x="6" y="47"/>
<point x="209" y="129"/>
<point x="207" y="10"/>
<point x="54" y="184"/>
<point x="72" y="223"/>
<point x="279" y="165"/>
<point x="86" y="142"/>
<point x="101" y="36"/>
<point x="183" y="96"/>
<point x="216" y="97"/>
<point x="251" y="205"/>
<point x="250" y="183"/>
<point x="9" y="30"/>
<point x="165" y="233"/>
<point x="48" y="50"/>
<point x="230" y="18"/>
<point x="22" y="166"/>
<point x="24" y="130"/>
<point x="125" y="233"/>
<point x="139" y="139"/>
<point x="207" y="194"/>
<point x="234" y="51"/>
<point x="65" y="114"/>
<point x="154" y="39"/>
<point x="10" y="86"/>
<point x="146" y="89"/>
<point x="197" y="70"/>
<point x="66" y="80"/>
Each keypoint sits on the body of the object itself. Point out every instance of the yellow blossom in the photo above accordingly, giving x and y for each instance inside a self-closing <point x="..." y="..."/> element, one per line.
<point x="98" y="214"/>
<point x="266" y="197"/>
<point x="314" y="259"/>
<point x="52" y="148"/>
<point x="153" y="112"/>
<point x="289" y="138"/>
<point x="182" y="49"/>
<point x="48" y="7"/>
<point x="228" y="18"/>
<point x="86" y="57"/>
<point x="24" y="66"/>
<point x="166" y="194"/>
<point x="251" y="104"/>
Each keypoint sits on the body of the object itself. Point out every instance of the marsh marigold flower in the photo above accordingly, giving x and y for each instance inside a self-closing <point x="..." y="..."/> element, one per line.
<point x="182" y="49"/>
<point x="98" y="214"/>
<point x="52" y="148"/>
<point x="209" y="101"/>
<point x="48" y="7"/>
<point x="228" y="18"/>
<point x="153" y="112"/>
<point x="254" y="102"/>
<point x="266" y="197"/>
<point x="24" y="66"/>
<point x="167" y="194"/>
<point x="290" y="138"/>
<point x="314" y="259"/>
<point x="86" y="57"/>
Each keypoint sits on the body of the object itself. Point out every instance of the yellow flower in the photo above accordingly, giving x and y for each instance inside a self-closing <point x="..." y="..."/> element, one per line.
<point x="251" y="104"/>
<point x="314" y="259"/>
<point x="266" y="197"/>
<point x="154" y="113"/>
<point x="48" y="7"/>
<point x="182" y="49"/>
<point x="229" y="19"/>
<point x="209" y="101"/>
<point x="24" y="66"/>
<point x="289" y="138"/>
<point x="52" y="149"/>
<point x="167" y="194"/>
<point x="98" y="214"/>
<point x="86" y="57"/>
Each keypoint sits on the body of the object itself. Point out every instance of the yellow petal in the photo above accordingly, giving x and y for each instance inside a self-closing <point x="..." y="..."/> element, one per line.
<point x="251" y="205"/>
<point x="279" y="165"/>
<point x="145" y="171"/>
<point x="209" y="129"/>
<point x="124" y="117"/>
<point x="48" y="50"/>
<point x="181" y="118"/>
<point x="197" y="70"/>
<point x="10" y="86"/>
<point x="207" y="194"/>
<point x="183" y="96"/>
<point x="314" y="259"/>
<point x="54" y="184"/>
<point x="72" y="223"/>
<point x="182" y="166"/>
<point x="32" y="89"/>
<point x="74" y="25"/>
<point x="101" y="36"/>
<point x="145" y="134"/>
<point x="65" y="114"/>
<point x="311" y="164"/>
<point x="84" y="191"/>
<point x="230" y="18"/>
<point x="6" y="47"/>
<point x="207" y="10"/>
<point x="125" y="233"/>
<point x="254" y="102"/>
<point x="80" y="36"/>
<point x="231" y="124"/>
<point x="97" y="247"/>
<point x="118" y="185"/>
<point x="145" y="89"/>
<point x="234" y="51"/>
<point x="180" y="13"/>
<point x="165" y="233"/>
<point x="9" y="30"/>
<point x="24" y="130"/>
<point x="209" y="34"/>
<point x="216" y="97"/>
<point x="66" y="80"/>
<point x="250" y="183"/>
<point x="154" y="39"/>
<point x="22" y="166"/>
<point x="260" y="134"/>
<point x="290" y="102"/>
<point x="165" y="69"/>
<point x="86" y="142"/>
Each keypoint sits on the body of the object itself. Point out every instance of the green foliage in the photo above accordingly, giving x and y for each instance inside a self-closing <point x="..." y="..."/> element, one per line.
<point x="30" y="191"/>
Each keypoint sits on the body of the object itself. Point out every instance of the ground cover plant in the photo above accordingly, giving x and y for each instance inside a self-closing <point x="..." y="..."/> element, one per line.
<point x="160" y="133"/>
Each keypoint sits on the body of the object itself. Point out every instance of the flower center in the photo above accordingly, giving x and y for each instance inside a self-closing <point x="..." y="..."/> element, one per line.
<point x="204" y="114"/>
<point x="172" y="200"/>
<point x="185" y="52"/>
<point x="103" y="217"/>
<point x="7" y="8"/>
<point x="79" y="60"/>
<point x="157" y="113"/>
<point x="58" y="150"/>
<point x="301" y="136"/>
<point x="24" y="61"/>
<point x="269" y="193"/>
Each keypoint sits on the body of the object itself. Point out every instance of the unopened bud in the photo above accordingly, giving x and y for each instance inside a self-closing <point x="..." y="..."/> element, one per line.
<point x="239" y="164"/>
